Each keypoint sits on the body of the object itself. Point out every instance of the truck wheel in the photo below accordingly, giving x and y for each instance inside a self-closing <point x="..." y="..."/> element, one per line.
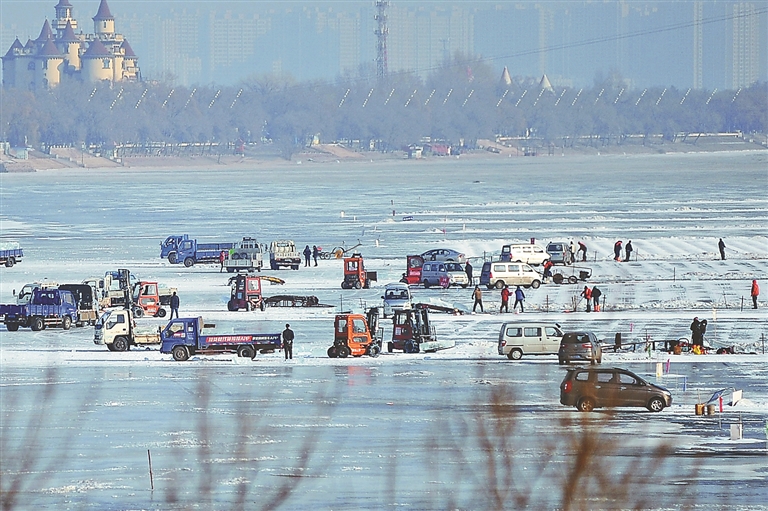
<point x="332" y="352"/>
<point x="160" y="313"/>
<point x="138" y="312"/>
<point x="172" y="258"/>
<point x="236" y="256"/>
<point x="535" y="284"/>
<point x="180" y="353"/>
<point x="66" y="322"/>
<point x="10" y="262"/>
<point x="246" y="352"/>
<point x="189" y="262"/>
<point x="110" y="347"/>
<point x="37" y="324"/>
<point x="12" y="327"/>
<point x="232" y="306"/>
<point x="120" y="344"/>
<point x="343" y="351"/>
<point x="374" y="350"/>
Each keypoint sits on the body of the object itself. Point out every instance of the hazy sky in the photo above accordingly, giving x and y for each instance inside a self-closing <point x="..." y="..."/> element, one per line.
<point x="646" y="42"/>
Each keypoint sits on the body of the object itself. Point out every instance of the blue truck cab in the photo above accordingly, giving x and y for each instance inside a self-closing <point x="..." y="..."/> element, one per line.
<point x="171" y="246"/>
<point x="47" y="308"/>
<point x="186" y="337"/>
<point x="183" y="249"/>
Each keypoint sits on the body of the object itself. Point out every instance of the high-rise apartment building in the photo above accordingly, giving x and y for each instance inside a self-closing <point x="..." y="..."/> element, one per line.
<point x="745" y="45"/>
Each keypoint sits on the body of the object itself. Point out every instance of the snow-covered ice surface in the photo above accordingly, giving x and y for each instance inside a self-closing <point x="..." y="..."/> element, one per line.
<point x="399" y="430"/>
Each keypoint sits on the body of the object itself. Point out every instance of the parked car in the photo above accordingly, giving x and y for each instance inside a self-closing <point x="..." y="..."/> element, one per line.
<point x="589" y="388"/>
<point x="580" y="346"/>
<point x="397" y="297"/>
<point x="444" y="254"/>
<point x="520" y="338"/>
<point x="524" y="253"/>
<point x="498" y="273"/>
<point x="559" y="252"/>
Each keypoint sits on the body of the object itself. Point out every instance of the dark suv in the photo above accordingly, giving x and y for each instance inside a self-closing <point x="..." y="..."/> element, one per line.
<point x="580" y="346"/>
<point x="587" y="388"/>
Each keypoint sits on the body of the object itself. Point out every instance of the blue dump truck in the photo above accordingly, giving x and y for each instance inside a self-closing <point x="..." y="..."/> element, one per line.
<point x="10" y="254"/>
<point x="186" y="337"/>
<point x="47" y="308"/>
<point x="181" y="249"/>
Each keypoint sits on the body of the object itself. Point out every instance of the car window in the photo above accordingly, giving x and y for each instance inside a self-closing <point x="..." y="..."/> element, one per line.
<point x="527" y="268"/>
<point x="514" y="332"/>
<point x="582" y="376"/>
<point x="552" y="331"/>
<point x="441" y="268"/>
<point x="626" y="379"/>
<point x="499" y="268"/>
<point x="514" y="268"/>
<point x="532" y="332"/>
<point x="604" y="377"/>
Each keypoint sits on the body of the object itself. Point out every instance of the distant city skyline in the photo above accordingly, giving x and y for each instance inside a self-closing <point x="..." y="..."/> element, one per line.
<point x="714" y="44"/>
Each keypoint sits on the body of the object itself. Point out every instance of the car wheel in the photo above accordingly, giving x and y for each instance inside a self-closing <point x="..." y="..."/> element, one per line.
<point x="585" y="404"/>
<point x="246" y="352"/>
<point x="535" y="284"/>
<point x="656" y="404"/>
<point x="515" y="354"/>
<point x="426" y="284"/>
<point x="180" y="353"/>
<point x="120" y="344"/>
<point x="499" y="284"/>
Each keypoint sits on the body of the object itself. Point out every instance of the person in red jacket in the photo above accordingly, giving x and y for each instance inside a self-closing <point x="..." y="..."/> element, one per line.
<point x="755" y="293"/>
<point x="587" y="294"/>
<point x="504" y="299"/>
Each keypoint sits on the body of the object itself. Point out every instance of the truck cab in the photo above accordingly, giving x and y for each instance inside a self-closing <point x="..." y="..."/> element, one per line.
<point x="355" y="275"/>
<point x="116" y="329"/>
<point x="283" y="253"/>
<point x="170" y="246"/>
<point x="356" y="335"/>
<point x="245" y="293"/>
<point x="412" y="332"/>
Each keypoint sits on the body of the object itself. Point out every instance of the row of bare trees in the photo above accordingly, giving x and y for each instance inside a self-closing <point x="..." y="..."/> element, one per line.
<point x="459" y="103"/>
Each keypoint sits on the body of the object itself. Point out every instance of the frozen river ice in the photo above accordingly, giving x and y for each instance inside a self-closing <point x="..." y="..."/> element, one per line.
<point x="463" y="428"/>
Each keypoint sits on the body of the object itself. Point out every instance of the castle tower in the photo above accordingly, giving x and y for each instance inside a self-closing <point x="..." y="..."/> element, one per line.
<point x="45" y="34"/>
<point x="97" y="63"/>
<point x="130" y="62"/>
<point x="64" y="16"/>
<point x="9" y="63"/>
<point x="104" y="22"/>
<point x="49" y="65"/>
<point x="69" y="44"/>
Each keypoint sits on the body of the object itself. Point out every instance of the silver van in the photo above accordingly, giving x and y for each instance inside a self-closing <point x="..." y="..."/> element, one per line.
<point x="397" y="297"/>
<point x="498" y="273"/>
<point x="560" y="252"/>
<point x="528" y="338"/>
<point x="443" y="274"/>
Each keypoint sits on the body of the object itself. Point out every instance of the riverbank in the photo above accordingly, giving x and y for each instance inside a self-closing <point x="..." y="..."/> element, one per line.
<point x="265" y="155"/>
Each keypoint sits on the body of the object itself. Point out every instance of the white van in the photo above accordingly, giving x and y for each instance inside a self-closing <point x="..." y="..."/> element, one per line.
<point x="397" y="296"/>
<point x="498" y="273"/>
<point x="527" y="338"/>
<point x="524" y="253"/>
<point x="444" y="274"/>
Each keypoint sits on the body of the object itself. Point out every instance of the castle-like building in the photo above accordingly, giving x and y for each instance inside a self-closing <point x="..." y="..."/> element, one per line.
<point x="65" y="55"/>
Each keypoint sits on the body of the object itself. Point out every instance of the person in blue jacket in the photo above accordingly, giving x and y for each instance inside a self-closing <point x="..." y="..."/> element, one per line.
<point x="519" y="297"/>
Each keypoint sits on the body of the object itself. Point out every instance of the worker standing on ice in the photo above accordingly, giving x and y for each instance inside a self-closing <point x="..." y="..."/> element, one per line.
<point x="477" y="294"/>
<point x="307" y="255"/>
<point x="504" y="299"/>
<point x="288" y="342"/>
<point x="519" y="298"/>
<point x="721" y="247"/>
<point x="596" y="294"/>
<point x="315" y="253"/>
<point x="468" y="271"/>
<point x="628" y="250"/>
<point x="755" y="292"/>
<point x="617" y="251"/>
<point x="174" y="305"/>
<point x="587" y="294"/>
